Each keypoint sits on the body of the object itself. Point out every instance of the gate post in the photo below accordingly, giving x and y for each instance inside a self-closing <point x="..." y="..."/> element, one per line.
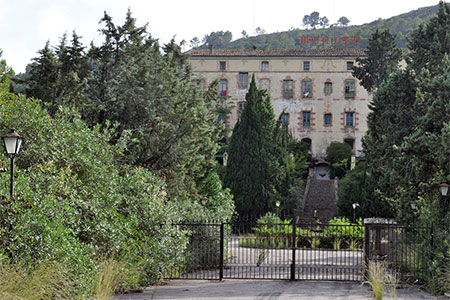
<point x="221" y="251"/>
<point x="294" y="246"/>
<point x="366" y="247"/>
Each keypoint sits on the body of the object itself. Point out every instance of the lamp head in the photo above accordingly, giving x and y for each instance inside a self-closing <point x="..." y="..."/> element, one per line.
<point x="443" y="187"/>
<point x="12" y="142"/>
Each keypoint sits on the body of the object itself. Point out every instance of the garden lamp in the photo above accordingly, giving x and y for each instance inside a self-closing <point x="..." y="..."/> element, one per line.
<point x="12" y="142"/>
<point x="443" y="187"/>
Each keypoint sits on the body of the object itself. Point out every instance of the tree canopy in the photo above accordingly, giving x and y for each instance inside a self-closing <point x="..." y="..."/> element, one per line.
<point x="313" y="20"/>
<point x="121" y="145"/>
<point x="167" y="123"/>
<point x="264" y="165"/>
<point x="252" y="165"/>
<point x="407" y="143"/>
<point x="383" y="56"/>
<point x="343" y="21"/>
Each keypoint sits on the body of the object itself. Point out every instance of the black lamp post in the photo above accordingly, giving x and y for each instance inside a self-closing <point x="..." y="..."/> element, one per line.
<point x="277" y="204"/>
<point x="354" y="205"/>
<point x="12" y="142"/>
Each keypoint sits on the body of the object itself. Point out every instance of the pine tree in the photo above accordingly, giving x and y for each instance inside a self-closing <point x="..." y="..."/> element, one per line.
<point x="382" y="58"/>
<point x="253" y="171"/>
<point x="43" y="75"/>
<point x="58" y="77"/>
<point x="431" y="42"/>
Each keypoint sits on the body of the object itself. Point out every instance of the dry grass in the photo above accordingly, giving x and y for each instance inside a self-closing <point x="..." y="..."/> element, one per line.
<point x="443" y="282"/>
<point x="392" y="282"/>
<point x="108" y="279"/>
<point x="380" y="279"/>
<point x="48" y="280"/>
<point x="375" y="278"/>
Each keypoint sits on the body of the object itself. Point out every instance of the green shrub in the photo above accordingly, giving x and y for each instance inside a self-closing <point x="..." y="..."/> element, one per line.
<point x="338" y="155"/>
<point x="76" y="204"/>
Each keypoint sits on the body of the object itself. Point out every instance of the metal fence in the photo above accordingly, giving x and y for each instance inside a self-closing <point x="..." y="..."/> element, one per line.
<point x="295" y="251"/>
<point x="287" y="250"/>
<point x="404" y="249"/>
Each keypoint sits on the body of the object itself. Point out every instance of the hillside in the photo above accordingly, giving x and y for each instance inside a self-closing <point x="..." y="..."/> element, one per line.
<point x="401" y="25"/>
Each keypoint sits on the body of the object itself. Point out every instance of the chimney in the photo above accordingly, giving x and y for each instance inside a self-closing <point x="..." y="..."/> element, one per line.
<point x="211" y="49"/>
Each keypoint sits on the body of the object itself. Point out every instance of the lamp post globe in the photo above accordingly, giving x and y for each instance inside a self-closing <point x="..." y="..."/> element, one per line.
<point x="12" y="142"/>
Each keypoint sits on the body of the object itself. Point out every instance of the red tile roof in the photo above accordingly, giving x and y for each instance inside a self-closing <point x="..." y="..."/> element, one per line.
<point x="323" y="52"/>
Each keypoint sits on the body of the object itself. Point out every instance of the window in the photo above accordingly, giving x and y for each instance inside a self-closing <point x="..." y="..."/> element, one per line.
<point x="307" y="88"/>
<point x="327" y="119"/>
<point x="306" y="119"/>
<point x="222" y="66"/>
<point x="265" y="66"/>
<point x="349" y="65"/>
<point x="328" y="88"/>
<point x="285" y="118"/>
<point x="241" y="105"/>
<point x="306" y="66"/>
<point x="287" y="89"/>
<point x="223" y="86"/>
<point x="349" y="89"/>
<point x="264" y="84"/>
<point x="350" y="142"/>
<point x="307" y="142"/>
<point x="349" y="119"/>
<point x="240" y="108"/>
<point x="243" y="81"/>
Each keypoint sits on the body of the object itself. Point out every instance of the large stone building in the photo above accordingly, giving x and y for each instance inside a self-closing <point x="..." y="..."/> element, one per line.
<point x="321" y="100"/>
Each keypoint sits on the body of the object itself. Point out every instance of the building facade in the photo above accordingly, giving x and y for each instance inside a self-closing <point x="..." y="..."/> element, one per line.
<point x="313" y="88"/>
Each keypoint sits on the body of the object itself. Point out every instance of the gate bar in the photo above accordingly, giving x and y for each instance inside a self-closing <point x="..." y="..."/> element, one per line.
<point x="221" y="251"/>
<point x="294" y="237"/>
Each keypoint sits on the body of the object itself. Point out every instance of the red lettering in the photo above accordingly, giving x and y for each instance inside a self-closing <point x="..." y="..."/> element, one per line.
<point x="304" y="40"/>
<point x="356" y="40"/>
<point x="325" y="40"/>
<point x="315" y="40"/>
<point x="345" y="40"/>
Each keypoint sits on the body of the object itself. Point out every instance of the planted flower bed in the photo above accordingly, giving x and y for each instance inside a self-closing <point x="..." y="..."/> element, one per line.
<point x="272" y="232"/>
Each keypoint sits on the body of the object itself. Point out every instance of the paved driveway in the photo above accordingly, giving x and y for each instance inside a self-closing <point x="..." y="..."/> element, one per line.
<point x="266" y="290"/>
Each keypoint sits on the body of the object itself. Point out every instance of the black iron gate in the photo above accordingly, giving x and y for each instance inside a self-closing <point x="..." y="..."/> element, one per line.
<point x="403" y="249"/>
<point x="287" y="250"/>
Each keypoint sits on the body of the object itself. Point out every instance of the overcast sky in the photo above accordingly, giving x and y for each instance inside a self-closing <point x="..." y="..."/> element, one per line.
<point x="25" y="25"/>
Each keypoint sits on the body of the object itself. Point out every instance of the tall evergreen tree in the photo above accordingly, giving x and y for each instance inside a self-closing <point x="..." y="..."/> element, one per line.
<point x="58" y="77"/>
<point x="410" y="113"/>
<point x="431" y="41"/>
<point x="252" y="171"/>
<point x="407" y="143"/>
<point x="382" y="58"/>
<point x="43" y="75"/>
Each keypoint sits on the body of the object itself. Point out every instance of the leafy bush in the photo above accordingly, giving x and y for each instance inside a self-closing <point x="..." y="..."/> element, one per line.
<point x="338" y="155"/>
<point x="75" y="204"/>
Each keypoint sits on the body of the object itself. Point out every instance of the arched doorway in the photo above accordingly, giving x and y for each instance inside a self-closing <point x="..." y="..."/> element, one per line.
<point x="322" y="170"/>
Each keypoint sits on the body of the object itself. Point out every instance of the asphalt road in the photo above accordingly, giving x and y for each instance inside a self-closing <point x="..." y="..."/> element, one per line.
<point x="266" y="290"/>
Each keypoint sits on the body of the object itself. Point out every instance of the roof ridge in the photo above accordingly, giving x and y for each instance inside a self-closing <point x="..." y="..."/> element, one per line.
<point x="279" y="52"/>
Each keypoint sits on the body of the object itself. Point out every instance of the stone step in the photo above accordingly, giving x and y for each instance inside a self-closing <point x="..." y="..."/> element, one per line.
<point x="320" y="201"/>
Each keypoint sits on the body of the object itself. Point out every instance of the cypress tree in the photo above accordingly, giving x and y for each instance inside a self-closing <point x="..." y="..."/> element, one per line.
<point x="252" y="171"/>
<point x="382" y="58"/>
